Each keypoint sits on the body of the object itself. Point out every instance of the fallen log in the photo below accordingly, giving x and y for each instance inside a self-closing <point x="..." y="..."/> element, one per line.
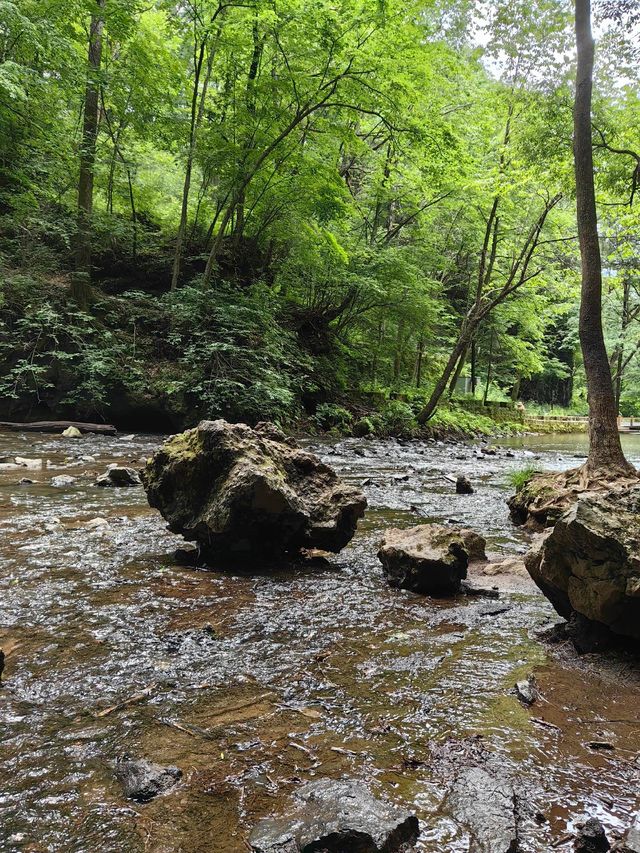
<point x="58" y="426"/>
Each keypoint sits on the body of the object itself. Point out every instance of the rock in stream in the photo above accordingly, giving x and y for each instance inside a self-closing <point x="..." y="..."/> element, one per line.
<point x="429" y="558"/>
<point x="589" y="563"/>
<point x="242" y="492"/>
<point x="334" y="817"/>
<point x="143" y="780"/>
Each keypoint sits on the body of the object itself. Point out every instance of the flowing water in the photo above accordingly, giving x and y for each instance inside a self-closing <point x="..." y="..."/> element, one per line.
<point x="254" y="683"/>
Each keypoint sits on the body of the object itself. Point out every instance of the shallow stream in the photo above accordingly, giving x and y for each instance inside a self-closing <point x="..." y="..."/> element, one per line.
<point x="252" y="684"/>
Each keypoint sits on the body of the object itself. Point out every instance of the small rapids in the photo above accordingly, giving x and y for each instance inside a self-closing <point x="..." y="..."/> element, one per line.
<point x="253" y="684"/>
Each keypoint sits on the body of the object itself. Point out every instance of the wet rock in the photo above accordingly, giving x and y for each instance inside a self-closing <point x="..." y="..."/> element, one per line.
<point x="32" y="464"/>
<point x="429" y="558"/>
<point x="508" y="566"/>
<point x="591" y="838"/>
<point x="589" y="563"/>
<point x="631" y="841"/>
<point x="96" y="524"/>
<point x="243" y="492"/>
<point x="527" y="690"/>
<point x="142" y="780"/>
<point x="474" y="590"/>
<point x="335" y="817"/>
<point x="2" y="658"/>
<point x="71" y="432"/>
<point x="119" y="476"/>
<point x="62" y="481"/>
<point x="25" y="481"/>
<point x="463" y="485"/>
<point x="484" y="800"/>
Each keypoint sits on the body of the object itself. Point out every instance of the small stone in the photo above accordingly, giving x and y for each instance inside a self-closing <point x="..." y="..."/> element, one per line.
<point x="25" y="481"/>
<point x="591" y="838"/>
<point x="28" y="463"/>
<point x="527" y="690"/>
<point x="72" y="432"/>
<point x="509" y="566"/>
<point x="96" y="523"/>
<point x="142" y="780"/>
<point x="119" y="476"/>
<point x="62" y="481"/>
<point x="463" y="485"/>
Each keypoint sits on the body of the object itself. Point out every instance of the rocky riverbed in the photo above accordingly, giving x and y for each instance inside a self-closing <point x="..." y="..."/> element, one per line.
<point x="253" y="685"/>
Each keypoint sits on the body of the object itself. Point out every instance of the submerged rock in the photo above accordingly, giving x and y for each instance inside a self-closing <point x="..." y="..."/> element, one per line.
<point x="484" y="800"/>
<point x="631" y="841"/>
<point x="119" y="476"/>
<point x="429" y="558"/>
<point x="62" y="481"/>
<point x="143" y="780"/>
<point x="591" y="838"/>
<point x="334" y="817"/>
<point x="242" y="492"/>
<point x="589" y="563"/>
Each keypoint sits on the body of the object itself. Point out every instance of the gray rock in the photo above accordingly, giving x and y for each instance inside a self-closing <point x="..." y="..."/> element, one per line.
<point x="142" y="780"/>
<point x="119" y="476"/>
<point x="429" y="558"/>
<point x="527" y="690"/>
<point x="591" y="838"/>
<point x="484" y="801"/>
<point x="332" y="816"/>
<point x="589" y="563"/>
<point x="242" y="492"/>
<point x="62" y="481"/>
<point x="463" y="485"/>
<point x="631" y="842"/>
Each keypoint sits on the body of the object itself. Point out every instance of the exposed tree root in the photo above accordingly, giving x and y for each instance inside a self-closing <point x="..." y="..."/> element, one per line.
<point x="546" y="496"/>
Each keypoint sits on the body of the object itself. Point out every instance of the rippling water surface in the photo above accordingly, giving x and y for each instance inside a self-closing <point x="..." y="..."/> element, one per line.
<point x="253" y="683"/>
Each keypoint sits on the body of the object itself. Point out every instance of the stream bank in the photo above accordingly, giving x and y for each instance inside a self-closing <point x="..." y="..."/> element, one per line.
<point x="252" y="684"/>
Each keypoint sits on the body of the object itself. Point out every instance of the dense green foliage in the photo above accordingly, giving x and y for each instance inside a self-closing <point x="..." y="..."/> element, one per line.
<point x="295" y="206"/>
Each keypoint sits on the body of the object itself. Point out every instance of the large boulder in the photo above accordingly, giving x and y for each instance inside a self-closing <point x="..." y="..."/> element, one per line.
<point x="242" y="492"/>
<point x="334" y="817"/>
<point x="429" y="558"/>
<point x="589" y="563"/>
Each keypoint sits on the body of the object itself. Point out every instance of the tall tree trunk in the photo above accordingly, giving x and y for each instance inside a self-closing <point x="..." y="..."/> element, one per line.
<point x="605" y="450"/>
<point x="456" y="375"/>
<point x="489" y="369"/>
<point x="81" y="280"/>
<point x="198" y="100"/>
<point x="419" y="360"/>
<point x="441" y="385"/>
<point x="474" y="362"/>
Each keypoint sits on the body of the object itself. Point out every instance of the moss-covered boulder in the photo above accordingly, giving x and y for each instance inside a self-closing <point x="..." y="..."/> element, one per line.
<point x="429" y="558"/>
<point x="242" y="492"/>
<point x="589" y="563"/>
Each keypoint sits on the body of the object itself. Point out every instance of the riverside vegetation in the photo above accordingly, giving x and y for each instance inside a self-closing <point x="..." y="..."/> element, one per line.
<point x="256" y="211"/>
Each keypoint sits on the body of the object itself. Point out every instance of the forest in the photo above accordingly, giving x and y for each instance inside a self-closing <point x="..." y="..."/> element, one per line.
<point x="289" y="210"/>
<point x="319" y="439"/>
